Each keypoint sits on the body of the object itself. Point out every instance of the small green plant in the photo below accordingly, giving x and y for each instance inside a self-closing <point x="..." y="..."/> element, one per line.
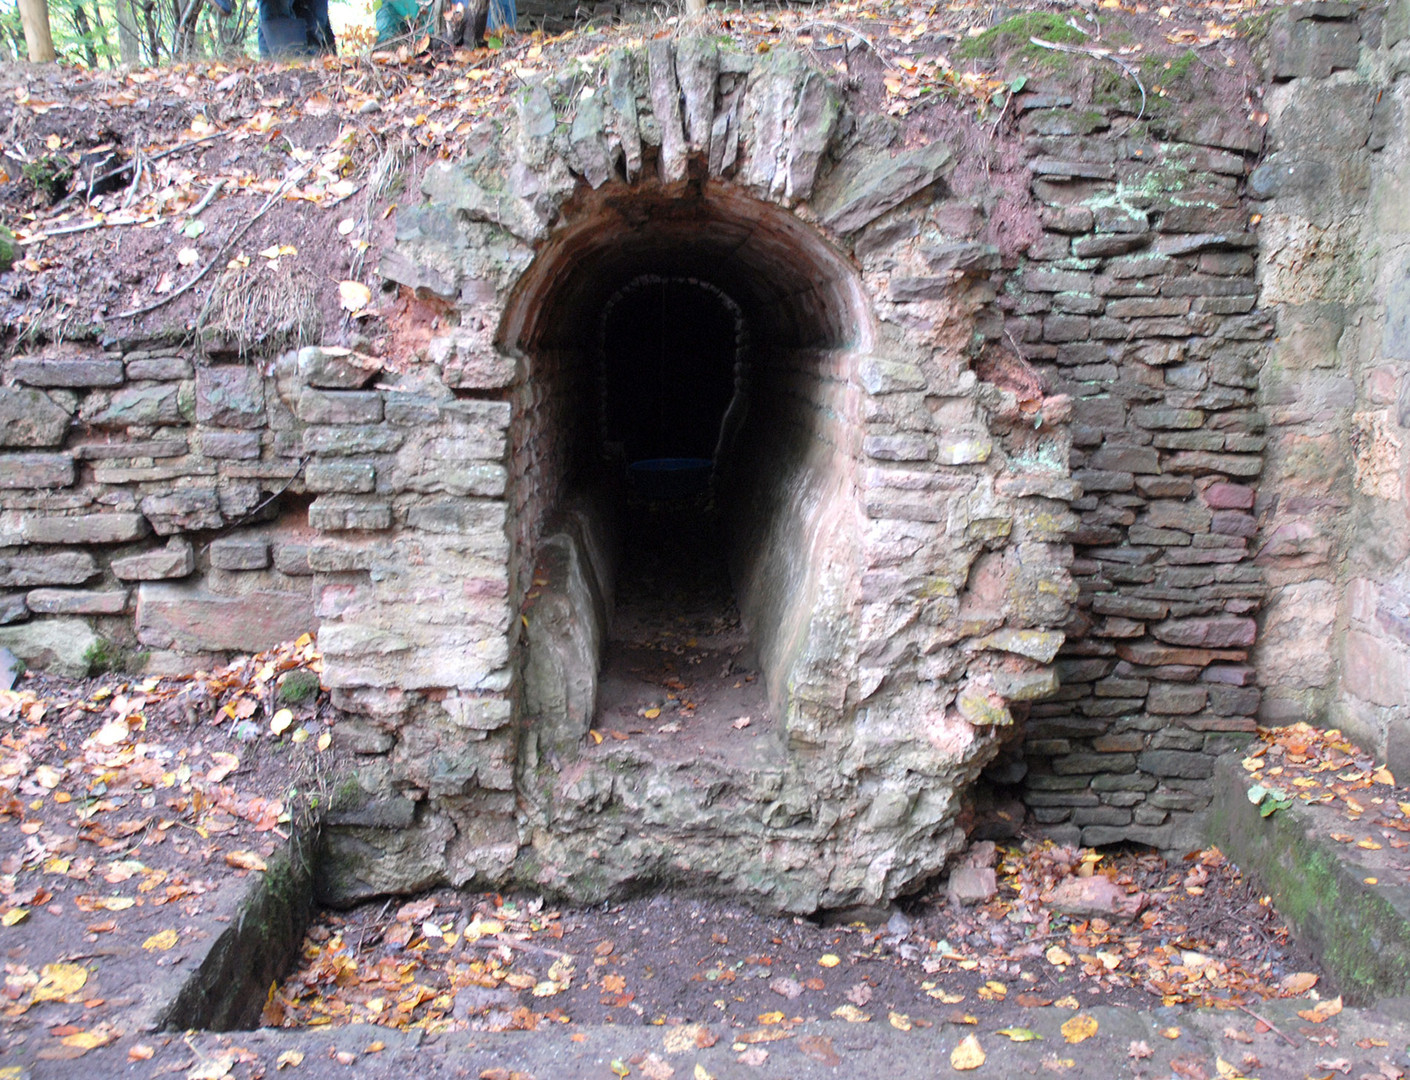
<point x="7" y="249"/>
<point x="1269" y="800"/>
<point x="298" y="686"/>
<point x="51" y="175"/>
<point x="100" y="657"/>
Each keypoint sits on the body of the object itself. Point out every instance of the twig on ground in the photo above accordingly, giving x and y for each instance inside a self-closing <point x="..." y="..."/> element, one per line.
<point x="146" y="157"/>
<point x="1100" y="54"/>
<point x="207" y="199"/>
<point x="853" y="33"/>
<point x="1268" y="1024"/>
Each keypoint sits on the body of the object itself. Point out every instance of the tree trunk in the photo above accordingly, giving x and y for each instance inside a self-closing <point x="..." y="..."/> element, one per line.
<point x="34" y="14"/>
<point x="85" y="31"/>
<point x="129" y="39"/>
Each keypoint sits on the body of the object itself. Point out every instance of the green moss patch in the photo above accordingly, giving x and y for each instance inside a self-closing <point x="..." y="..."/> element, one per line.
<point x="1013" y="35"/>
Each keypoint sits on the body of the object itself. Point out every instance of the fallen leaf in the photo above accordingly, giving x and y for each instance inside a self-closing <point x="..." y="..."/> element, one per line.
<point x="654" y="1067"/>
<point x="899" y="1021"/>
<point x="859" y="994"/>
<point x="819" y="1048"/>
<point x="851" y="1014"/>
<point x="1322" y="1011"/>
<point x="353" y="295"/>
<point x="754" y="1056"/>
<point x="225" y="764"/>
<point x="280" y="721"/>
<point x="702" y="1074"/>
<point x="14" y="916"/>
<point x="1298" y="983"/>
<point x="214" y="1069"/>
<point x="88" y="1040"/>
<point x="140" y="1052"/>
<point x="162" y="940"/>
<point x="245" y="860"/>
<point x="789" y="988"/>
<point x="188" y="256"/>
<point x="967" y="1055"/>
<point x="1018" y="1034"/>
<point x="1080" y="1028"/>
<point x="289" y="1059"/>
<point x="58" y="981"/>
<point x="829" y="960"/>
<point x="1140" y="1050"/>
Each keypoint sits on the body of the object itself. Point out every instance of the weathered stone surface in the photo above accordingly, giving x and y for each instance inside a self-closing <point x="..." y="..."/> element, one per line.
<point x="340" y="407"/>
<point x="239" y="553"/>
<point x="332" y="368"/>
<point x="12" y="608"/>
<point x="71" y="371"/>
<point x="84" y="528"/>
<point x="1215" y="632"/>
<point x="970" y="885"/>
<point x="19" y="471"/>
<point x="60" y="568"/>
<point x="332" y="513"/>
<point x="134" y="406"/>
<point x="192" y="508"/>
<point x="61" y="646"/>
<point x="881" y="185"/>
<point x="231" y="395"/>
<point x="77" y="601"/>
<point x="187" y="617"/>
<point x="30" y="417"/>
<point x="340" y="476"/>
<point x="176" y="560"/>
<point x="231" y="445"/>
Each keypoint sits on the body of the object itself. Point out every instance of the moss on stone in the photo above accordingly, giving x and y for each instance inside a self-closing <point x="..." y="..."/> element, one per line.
<point x="1012" y="35"/>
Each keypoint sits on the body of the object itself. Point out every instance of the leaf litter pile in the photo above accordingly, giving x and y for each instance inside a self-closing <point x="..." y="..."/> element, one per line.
<point x="125" y="804"/>
<point x="1189" y="933"/>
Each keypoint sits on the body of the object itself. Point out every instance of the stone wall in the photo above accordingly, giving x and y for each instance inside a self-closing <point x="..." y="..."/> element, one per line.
<point x="1334" y="267"/>
<point x="139" y="504"/>
<point x="1138" y="300"/>
<point x="996" y="441"/>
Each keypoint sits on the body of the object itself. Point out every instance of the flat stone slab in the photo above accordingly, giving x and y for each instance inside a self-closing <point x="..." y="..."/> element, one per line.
<point x="186" y="617"/>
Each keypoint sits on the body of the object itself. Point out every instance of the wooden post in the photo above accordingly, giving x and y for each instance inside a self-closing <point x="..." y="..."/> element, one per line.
<point x="34" y="15"/>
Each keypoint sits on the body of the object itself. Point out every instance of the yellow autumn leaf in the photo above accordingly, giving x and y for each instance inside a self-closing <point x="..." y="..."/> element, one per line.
<point x="851" y="1014"/>
<point x="1382" y="775"/>
<point x="58" y="981"/>
<point x="299" y="736"/>
<point x="280" y="721"/>
<point x="1079" y="1028"/>
<point x="899" y="1021"/>
<point x="829" y="960"/>
<point x="87" y="1040"/>
<point x="14" y="916"/>
<point x="289" y="1059"/>
<point x="652" y="713"/>
<point x="1058" y="956"/>
<point x="967" y="1055"/>
<point x="1018" y="1034"/>
<point x="117" y="903"/>
<point x="245" y="860"/>
<point x="1170" y="1032"/>
<point x="774" y="1017"/>
<point x="701" y="1074"/>
<point x="325" y="740"/>
<point x="162" y="940"/>
<point x="353" y="295"/>
<point x="1227" y="1071"/>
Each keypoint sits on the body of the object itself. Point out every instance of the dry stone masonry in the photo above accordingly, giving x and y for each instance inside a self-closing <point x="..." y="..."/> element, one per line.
<point x="994" y="489"/>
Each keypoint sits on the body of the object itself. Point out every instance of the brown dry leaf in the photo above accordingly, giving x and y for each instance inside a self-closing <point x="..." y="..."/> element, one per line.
<point x="613" y="984"/>
<point x="1080" y="1028"/>
<point x="819" y="1048"/>
<point x="967" y="1055"/>
<point x="1140" y="1050"/>
<point x="683" y="1038"/>
<point x="754" y="1056"/>
<point x="1298" y="983"/>
<point x="859" y="994"/>
<point x="140" y="1052"/>
<point x="225" y="764"/>
<point x="1322" y="1011"/>
<point x="654" y="1067"/>
<point x="245" y="860"/>
<point x="213" y="1069"/>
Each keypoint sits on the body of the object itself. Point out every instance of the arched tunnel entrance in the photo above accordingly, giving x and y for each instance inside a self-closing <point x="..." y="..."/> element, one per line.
<point x="684" y="463"/>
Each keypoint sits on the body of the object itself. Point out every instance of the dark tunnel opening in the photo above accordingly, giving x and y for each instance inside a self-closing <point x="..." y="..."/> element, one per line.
<point x="683" y="397"/>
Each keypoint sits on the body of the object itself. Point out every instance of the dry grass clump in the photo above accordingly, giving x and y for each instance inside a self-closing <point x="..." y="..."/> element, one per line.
<point x="262" y="307"/>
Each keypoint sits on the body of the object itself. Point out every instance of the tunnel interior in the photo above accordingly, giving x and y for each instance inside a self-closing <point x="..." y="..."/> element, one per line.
<point x="684" y="353"/>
